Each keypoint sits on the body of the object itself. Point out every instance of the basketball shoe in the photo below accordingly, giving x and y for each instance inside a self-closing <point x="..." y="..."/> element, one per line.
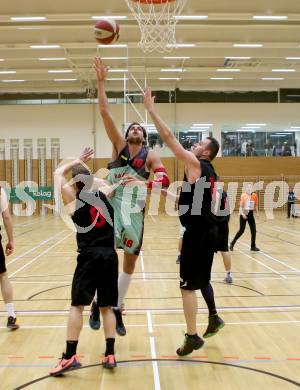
<point x="65" y="365"/>
<point x="190" y="344"/>
<point x="228" y="279"/>
<point x="94" y="320"/>
<point x="109" y="362"/>
<point x="215" y="323"/>
<point x="120" y="327"/>
<point x="12" y="323"/>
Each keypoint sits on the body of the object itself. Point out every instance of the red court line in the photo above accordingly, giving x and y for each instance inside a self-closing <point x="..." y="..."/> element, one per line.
<point x="168" y="357"/>
<point x="232" y="357"/>
<point x="15" y="357"/>
<point x="46" y="357"/>
<point x="293" y="358"/>
<point x="262" y="358"/>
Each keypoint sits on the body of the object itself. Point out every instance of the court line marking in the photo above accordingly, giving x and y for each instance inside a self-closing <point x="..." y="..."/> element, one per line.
<point x="142" y="265"/>
<point x="164" y="325"/>
<point x="137" y="280"/>
<point x="153" y="353"/>
<point x="179" y="361"/>
<point x="41" y="254"/>
<point x="274" y="259"/>
<point x="263" y="264"/>
<point x="279" y="229"/>
<point x="35" y="247"/>
<point x="162" y="310"/>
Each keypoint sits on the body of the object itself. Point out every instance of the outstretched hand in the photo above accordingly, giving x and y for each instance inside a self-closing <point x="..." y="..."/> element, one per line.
<point x="86" y="154"/>
<point x="148" y="99"/>
<point x="100" y="69"/>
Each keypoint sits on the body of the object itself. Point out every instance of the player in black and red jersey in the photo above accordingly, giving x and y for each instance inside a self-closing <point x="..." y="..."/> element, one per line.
<point x="97" y="262"/>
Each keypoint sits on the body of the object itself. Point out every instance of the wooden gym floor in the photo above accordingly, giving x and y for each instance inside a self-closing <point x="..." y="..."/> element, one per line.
<point x="259" y="346"/>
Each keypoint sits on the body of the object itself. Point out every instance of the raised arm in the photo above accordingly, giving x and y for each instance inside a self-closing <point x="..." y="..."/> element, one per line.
<point x="7" y="220"/>
<point x="60" y="174"/>
<point x="166" y="134"/>
<point x="113" y="133"/>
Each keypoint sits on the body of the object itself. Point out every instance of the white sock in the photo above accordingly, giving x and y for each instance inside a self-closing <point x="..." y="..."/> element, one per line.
<point x="10" y="310"/>
<point x="123" y="285"/>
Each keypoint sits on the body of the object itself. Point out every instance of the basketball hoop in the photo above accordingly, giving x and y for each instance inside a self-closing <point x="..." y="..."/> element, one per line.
<point x="157" y="21"/>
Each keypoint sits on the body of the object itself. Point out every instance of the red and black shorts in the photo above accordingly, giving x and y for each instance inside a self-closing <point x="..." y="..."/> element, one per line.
<point x="97" y="269"/>
<point x="2" y="258"/>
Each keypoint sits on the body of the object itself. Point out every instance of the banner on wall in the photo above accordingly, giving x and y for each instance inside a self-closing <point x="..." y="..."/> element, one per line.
<point x="22" y="194"/>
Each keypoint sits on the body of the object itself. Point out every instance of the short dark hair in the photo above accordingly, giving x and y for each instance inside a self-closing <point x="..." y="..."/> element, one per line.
<point x="83" y="175"/>
<point x="137" y="124"/>
<point x="214" y="147"/>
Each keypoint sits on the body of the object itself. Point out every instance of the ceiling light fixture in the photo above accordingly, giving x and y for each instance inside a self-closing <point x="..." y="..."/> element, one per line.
<point x="182" y="45"/>
<point x="172" y="70"/>
<point x="115" y="17"/>
<point x="65" y="79"/>
<point x="250" y="45"/>
<point x="237" y="58"/>
<point x="28" y="18"/>
<point x="190" y="17"/>
<point x="221" y="78"/>
<point x="52" y="59"/>
<point x="45" y="46"/>
<point x="269" y="17"/>
<point x="8" y="72"/>
<point x="60" y="71"/>
<point x="117" y="70"/>
<point x="12" y="81"/>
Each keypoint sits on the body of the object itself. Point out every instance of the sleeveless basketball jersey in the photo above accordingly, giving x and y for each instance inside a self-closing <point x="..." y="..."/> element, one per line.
<point x="93" y="220"/>
<point x="136" y="167"/>
<point x="195" y="200"/>
<point x="137" y="163"/>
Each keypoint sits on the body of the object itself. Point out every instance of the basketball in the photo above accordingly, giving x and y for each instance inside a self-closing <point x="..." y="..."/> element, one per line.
<point x="106" y="31"/>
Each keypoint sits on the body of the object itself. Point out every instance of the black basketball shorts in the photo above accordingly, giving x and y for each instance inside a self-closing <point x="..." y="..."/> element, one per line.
<point x="223" y="236"/>
<point x="2" y="258"/>
<point x="97" y="269"/>
<point x="196" y="258"/>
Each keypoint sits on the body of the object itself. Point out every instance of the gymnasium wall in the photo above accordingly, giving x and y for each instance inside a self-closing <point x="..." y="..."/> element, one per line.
<point x="78" y="125"/>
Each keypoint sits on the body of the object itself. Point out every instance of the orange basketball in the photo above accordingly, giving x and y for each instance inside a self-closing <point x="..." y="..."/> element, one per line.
<point x="107" y="31"/>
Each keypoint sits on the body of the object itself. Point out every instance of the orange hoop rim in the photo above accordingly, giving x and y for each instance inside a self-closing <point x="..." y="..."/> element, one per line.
<point x="153" y="1"/>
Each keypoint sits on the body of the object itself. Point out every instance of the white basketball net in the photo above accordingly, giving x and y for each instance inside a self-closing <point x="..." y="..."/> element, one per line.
<point x="157" y="23"/>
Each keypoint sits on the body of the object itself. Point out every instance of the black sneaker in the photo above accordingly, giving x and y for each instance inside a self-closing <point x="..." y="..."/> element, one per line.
<point x="120" y="327"/>
<point x="190" y="344"/>
<point x="94" y="320"/>
<point x="231" y="246"/>
<point x="178" y="259"/>
<point x="12" y="323"/>
<point x="215" y="323"/>
<point x="255" y="249"/>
